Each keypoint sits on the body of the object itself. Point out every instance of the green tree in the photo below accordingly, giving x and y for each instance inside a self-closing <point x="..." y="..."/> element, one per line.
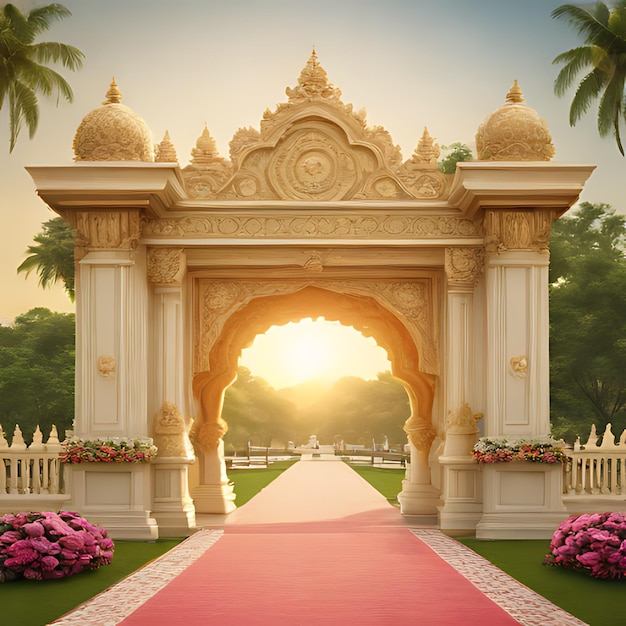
<point x="24" y="73"/>
<point x="588" y="321"/>
<point x="604" y="55"/>
<point x="457" y="152"/>
<point x="53" y="256"/>
<point x="256" y="412"/>
<point x="37" y="372"/>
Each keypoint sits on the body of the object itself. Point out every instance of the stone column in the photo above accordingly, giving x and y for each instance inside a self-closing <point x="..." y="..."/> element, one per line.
<point x="166" y="269"/>
<point x="461" y="480"/>
<point x="111" y="303"/>
<point x="517" y="365"/>
<point x="520" y="501"/>
<point x="172" y="505"/>
<point x="111" y="363"/>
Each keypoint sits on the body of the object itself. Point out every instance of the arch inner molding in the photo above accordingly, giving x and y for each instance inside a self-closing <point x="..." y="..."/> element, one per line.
<point x="414" y="302"/>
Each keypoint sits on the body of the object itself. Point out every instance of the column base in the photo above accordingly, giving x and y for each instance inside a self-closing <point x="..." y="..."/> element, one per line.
<point x="214" y="498"/>
<point x="518" y="525"/>
<point x="417" y="499"/>
<point x="127" y="525"/>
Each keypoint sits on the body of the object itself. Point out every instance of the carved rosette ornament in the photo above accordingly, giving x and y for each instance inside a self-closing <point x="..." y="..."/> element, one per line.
<point x="517" y="229"/>
<point x="519" y="366"/>
<point x="464" y="265"/>
<point x="514" y="133"/>
<point x="106" y="230"/>
<point x="106" y="365"/>
<point x="166" y="266"/>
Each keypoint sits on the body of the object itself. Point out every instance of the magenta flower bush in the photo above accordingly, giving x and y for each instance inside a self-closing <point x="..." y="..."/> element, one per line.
<point x="41" y="546"/>
<point x="594" y="543"/>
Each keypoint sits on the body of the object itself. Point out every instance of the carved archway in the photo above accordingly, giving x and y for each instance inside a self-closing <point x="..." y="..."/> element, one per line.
<point x="363" y="313"/>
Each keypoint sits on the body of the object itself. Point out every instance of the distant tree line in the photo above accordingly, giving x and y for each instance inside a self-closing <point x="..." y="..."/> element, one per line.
<point x="37" y="373"/>
<point x="352" y="409"/>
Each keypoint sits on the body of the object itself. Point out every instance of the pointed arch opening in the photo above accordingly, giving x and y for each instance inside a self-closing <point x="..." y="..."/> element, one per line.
<point x="361" y="312"/>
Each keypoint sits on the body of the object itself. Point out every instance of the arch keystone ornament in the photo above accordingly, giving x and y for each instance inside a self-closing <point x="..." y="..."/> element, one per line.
<point x="312" y="214"/>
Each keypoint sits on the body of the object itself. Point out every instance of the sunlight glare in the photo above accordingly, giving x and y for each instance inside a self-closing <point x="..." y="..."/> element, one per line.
<point x="291" y="354"/>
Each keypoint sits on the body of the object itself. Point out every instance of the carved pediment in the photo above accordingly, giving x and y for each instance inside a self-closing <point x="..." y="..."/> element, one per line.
<point x="314" y="147"/>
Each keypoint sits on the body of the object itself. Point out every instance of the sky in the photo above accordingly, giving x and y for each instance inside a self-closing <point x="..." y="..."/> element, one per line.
<point x="441" y="64"/>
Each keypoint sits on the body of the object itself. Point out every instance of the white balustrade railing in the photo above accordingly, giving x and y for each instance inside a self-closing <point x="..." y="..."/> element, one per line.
<point x="34" y="469"/>
<point x="597" y="468"/>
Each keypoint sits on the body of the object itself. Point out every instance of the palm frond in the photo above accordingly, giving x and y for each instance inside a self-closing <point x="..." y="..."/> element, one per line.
<point x="23" y="109"/>
<point x="593" y="27"/>
<point x="610" y="108"/>
<point x="41" y="18"/>
<point x="588" y="90"/>
<point x="68" y="56"/>
<point x="44" y="80"/>
<point x="576" y="60"/>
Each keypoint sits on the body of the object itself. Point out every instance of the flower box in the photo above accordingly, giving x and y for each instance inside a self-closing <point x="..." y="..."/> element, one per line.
<point x="108" y="451"/>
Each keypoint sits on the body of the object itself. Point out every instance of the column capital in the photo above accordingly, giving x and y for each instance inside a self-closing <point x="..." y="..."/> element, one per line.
<point x="518" y="229"/>
<point x="117" y="229"/>
<point x="464" y="266"/>
<point x="166" y="266"/>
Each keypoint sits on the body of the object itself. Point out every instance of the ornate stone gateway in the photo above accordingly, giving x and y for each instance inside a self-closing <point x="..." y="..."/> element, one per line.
<point x="316" y="214"/>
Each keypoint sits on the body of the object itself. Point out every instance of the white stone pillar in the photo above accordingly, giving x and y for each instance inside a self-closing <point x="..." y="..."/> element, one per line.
<point x="521" y="500"/>
<point x="111" y="367"/>
<point x="172" y="505"/>
<point x="518" y="389"/>
<point x="461" y="478"/>
<point x="111" y="303"/>
<point x="166" y="271"/>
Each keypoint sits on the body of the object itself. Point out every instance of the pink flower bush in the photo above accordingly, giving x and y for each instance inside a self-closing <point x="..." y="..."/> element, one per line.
<point x="594" y="543"/>
<point x="41" y="546"/>
<point x="110" y="451"/>
<point x="504" y="451"/>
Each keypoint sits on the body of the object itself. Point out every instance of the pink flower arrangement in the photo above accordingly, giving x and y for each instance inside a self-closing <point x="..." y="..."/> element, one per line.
<point x="109" y="451"/>
<point x="42" y="546"/>
<point x="504" y="451"/>
<point x="594" y="543"/>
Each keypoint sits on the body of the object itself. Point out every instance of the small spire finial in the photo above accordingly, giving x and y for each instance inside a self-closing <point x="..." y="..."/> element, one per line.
<point x="113" y="95"/>
<point x="515" y="94"/>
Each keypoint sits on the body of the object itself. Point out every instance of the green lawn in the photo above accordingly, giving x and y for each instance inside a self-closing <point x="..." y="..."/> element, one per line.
<point x="249" y="481"/>
<point x="35" y="603"/>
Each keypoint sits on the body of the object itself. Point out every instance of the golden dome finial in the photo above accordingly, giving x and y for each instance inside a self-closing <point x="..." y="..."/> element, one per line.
<point x="113" y="95"/>
<point x="515" y="94"/>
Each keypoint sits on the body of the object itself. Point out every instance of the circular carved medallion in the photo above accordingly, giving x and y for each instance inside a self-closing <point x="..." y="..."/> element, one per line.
<point x="313" y="165"/>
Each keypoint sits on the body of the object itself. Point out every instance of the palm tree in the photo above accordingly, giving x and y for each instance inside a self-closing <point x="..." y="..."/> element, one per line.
<point x="604" y="33"/>
<point x="53" y="257"/>
<point x="23" y="73"/>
